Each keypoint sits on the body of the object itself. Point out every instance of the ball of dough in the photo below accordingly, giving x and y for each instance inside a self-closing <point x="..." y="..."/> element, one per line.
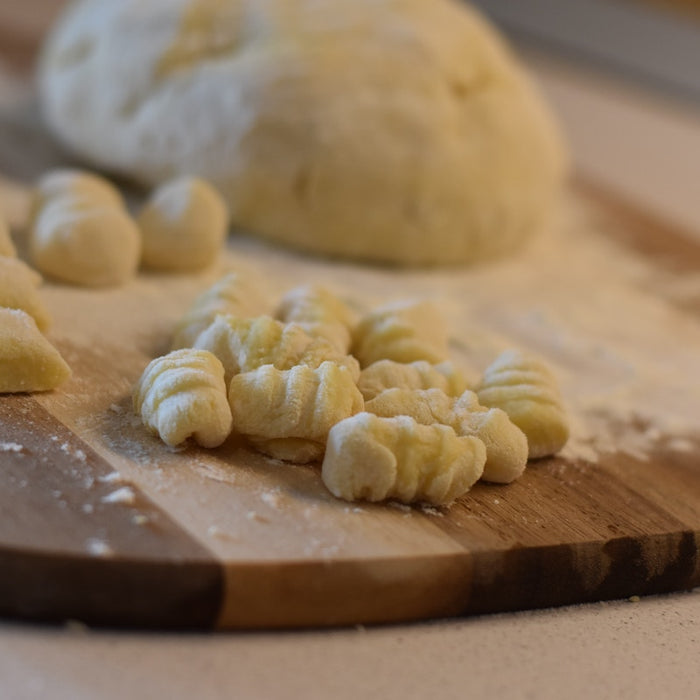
<point x="400" y="131"/>
<point x="84" y="243"/>
<point x="183" y="225"/>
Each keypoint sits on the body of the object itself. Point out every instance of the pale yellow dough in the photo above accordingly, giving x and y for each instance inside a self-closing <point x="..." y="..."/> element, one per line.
<point x="400" y="131"/>
<point x="183" y="225"/>
<point x="183" y="395"/>
<point x="525" y="388"/>
<point x="28" y="361"/>
<point x="80" y="184"/>
<point x="287" y="413"/>
<point x="373" y="458"/>
<point x="85" y="242"/>
<point x="19" y="286"/>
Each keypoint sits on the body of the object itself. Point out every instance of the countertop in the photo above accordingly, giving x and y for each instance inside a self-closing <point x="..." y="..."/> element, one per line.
<point x="635" y="144"/>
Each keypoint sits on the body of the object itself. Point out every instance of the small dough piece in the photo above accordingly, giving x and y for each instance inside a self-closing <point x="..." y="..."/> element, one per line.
<point x="79" y="184"/>
<point x="85" y="242"/>
<point x="525" y="388"/>
<point x="7" y="248"/>
<point x="235" y="294"/>
<point x="387" y="374"/>
<point x="244" y="344"/>
<point x="287" y="413"/>
<point x="183" y="395"/>
<point x="373" y="458"/>
<point x="183" y="225"/>
<point x="506" y="445"/>
<point x="28" y="361"/>
<point x="404" y="332"/>
<point x="19" y="286"/>
<point x="320" y="313"/>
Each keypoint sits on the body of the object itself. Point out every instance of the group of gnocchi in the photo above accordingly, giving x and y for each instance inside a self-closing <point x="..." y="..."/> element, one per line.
<point x="80" y="232"/>
<point x="375" y="399"/>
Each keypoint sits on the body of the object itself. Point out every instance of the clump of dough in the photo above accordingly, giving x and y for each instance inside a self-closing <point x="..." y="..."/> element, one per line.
<point x="85" y="242"/>
<point x="183" y="225"/>
<point x="373" y="458"/>
<point x="19" y="286"/>
<point x="183" y="395"/>
<point x="527" y="390"/>
<point x="235" y="294"/>
<point x="400" y="131"/>
<point x="287" y="413"/>
<point x="28" y="361"/>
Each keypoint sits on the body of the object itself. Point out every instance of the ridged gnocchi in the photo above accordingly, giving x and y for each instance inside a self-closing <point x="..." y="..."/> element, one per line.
<point x="506" y="445"/>
<point x="525" y="388"/>
<point x="403" y="332"/>
<point x="244" y="344"/>
<point x="183" y="395"/>
<point x="288" y="413"/>
<point x="19" y="286"/>
<point x="28" y="361"/>
<point x="387" y="374"/>
<point x="235" y="294"/>
<point x="320" y="313"/>
<point x="183" y="225"/>
<point x="373" y="458"/>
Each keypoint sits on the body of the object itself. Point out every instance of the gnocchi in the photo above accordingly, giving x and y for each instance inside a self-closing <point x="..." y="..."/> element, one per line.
<point x="19" y="286"/>
<point x="320" y="313"/>
<point x="183" y="225"/>
<point x="373" y="458"/>
<point x="525" y="388"/>
<point x="28" y="361"/>
<point x="234" y="294"/>
<point x="386" y="374"/>
<point x="183" y="395"/>
<point x="287" y="413"/>
<point x="85" y="242"/>
<point x="244" y="344"/>
<point x="7" y="248"/>
<point x="506" y="445"/>
<point x="403" y="332"/>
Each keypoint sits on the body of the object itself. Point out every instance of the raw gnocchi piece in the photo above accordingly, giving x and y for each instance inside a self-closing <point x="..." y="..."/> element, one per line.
<point x="287" y="413"/>
<point x="85" y="242"/>
<point x="234" y="294"/>
<point x="373" y="458"/>
<point x="75" y="184"/>
<point x="506" y="445"/>
<point x="19" y="286"/>
<point x="244" y="344"/>
<point x="7" y="248"/>
<point x="403" y="332"/>
<point x="386" y="374"/>
<point x="28" y="361"/>
<point x="320" y="313"/>
<point x="525" y="388"/>
<point x="183" y="225"/>
<point x="183" y="395"/>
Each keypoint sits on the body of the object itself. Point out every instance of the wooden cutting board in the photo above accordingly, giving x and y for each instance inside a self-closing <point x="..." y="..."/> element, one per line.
<point x="101" y="523"/>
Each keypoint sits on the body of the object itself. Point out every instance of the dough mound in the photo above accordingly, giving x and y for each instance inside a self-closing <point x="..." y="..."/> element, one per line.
<point x="398" y="131"/>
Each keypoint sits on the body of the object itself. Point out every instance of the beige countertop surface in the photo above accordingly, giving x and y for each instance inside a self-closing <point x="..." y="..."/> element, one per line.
<point x="649" y="151"/>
